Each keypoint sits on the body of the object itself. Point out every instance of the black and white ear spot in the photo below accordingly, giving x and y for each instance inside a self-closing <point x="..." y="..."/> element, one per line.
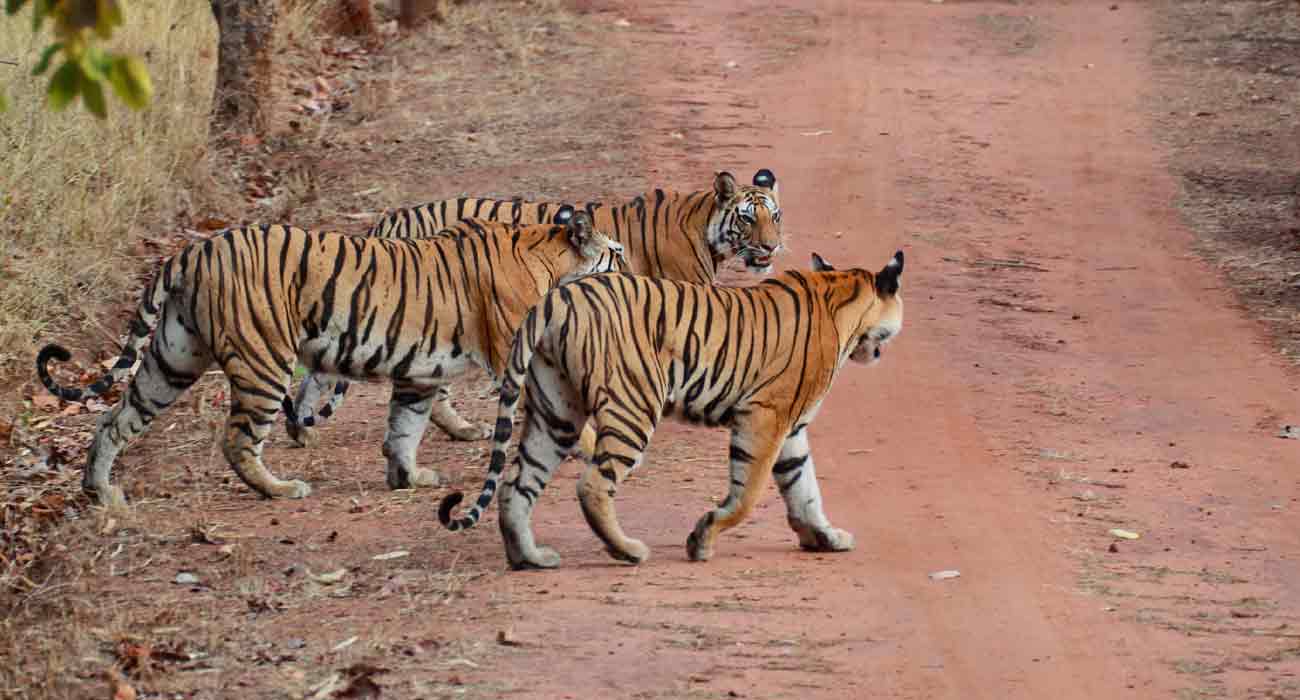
<point x="725" y="186"/>
<point x="580" y="226"/>
<point x="563" y="215"/>
<point x="887" y="278"/>
<point x="819" y="264"/>
<point x="765" y="179"/>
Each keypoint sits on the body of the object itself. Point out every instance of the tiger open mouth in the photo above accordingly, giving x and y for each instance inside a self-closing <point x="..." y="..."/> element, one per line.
<point x="756" y="258"/>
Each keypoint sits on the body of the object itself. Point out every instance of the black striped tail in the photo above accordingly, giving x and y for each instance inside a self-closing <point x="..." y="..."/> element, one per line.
<point x="521" y="353"/>
<point x="146" y="317"/>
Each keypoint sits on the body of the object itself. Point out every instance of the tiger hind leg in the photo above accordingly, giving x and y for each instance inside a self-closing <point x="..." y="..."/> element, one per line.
<point x="174" y="360"/>
<point x="408" y="416"/>
<point x="551" y="424"/>
<point x="754" y="448"/>
<point x="451" y="422"/>
<point x="254" y="405"/>
<point x="616" y="454"/>
<point x="796" y="478"/>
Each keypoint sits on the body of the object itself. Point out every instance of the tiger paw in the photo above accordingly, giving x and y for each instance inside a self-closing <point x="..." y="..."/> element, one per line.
<point x="633" y="552"/>
<point x="301" y="436"/>
<point x="110" y="497"/>
<point x="471" y="431"/>
<point x="696" y="549"/>
<point x="295" y="489"/>
<point x="829" y="540"/>
<point x="541" y="558"/>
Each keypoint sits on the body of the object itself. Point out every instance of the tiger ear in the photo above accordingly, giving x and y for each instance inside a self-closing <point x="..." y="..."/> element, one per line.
<point x="580" y="227"/>
<point x="563" y="215"/>
<point x="887" y="278"/>
<point x="819" y="264"/>
<point x="765" y="179"/>
<point x="724" y="187"/>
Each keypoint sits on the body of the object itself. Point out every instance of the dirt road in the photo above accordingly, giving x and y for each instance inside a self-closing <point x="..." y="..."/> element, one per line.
<point x="1066" y="368"/>
<point x="1062" y="350"/>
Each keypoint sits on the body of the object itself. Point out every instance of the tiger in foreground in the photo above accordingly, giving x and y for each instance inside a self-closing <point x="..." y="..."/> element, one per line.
<point x="255" y="299"/>
<point x="682" y="236"/>
<point x="620" y="351"/>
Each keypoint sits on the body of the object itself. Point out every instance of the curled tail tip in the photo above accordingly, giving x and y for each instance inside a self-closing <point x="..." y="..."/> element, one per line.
<point x="449" y="503"/>
<point x="53" y="351"/>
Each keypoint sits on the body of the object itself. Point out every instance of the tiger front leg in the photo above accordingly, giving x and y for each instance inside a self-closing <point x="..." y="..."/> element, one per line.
<point x="797" y="480"/>
<point x="408" y="416"/>
<point x="755" y="444"/>
<point x="451" y="422"/>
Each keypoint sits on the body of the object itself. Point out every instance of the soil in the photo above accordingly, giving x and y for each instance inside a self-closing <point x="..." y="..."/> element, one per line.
<point x="1068" y="367"/>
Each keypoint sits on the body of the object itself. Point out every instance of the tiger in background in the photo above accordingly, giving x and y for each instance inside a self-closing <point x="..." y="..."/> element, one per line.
<point x="618" y="352"/>
<point x="683" y="236"/>
<point x="256" y="299"/>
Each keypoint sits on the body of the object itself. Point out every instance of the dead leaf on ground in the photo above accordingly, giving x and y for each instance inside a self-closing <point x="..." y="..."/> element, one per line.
<point x="361" y="683"/>
<point x="43" y="401"/>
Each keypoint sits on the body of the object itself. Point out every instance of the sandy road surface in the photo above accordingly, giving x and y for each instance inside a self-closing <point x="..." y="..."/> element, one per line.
<point x="1061" y="350"/>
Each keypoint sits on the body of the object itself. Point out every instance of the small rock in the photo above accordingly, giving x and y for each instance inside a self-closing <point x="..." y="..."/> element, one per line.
<point x="1177" y="464"/>
<point x="391" y="555"/>
<point x="1289" y="432"/>
<point x="621" y="22"/>
<point x="944" y="575"/>
<point x="1114" y="7"/>
<point x="1124" y="534"/>
<point x="296" y="643"/>
<point x="329" y="577"/>
<point x="732" y="64"/>
<point x="1113" y="548"/>
<point x="506" y="637"/>
<point x="185" y="578"/>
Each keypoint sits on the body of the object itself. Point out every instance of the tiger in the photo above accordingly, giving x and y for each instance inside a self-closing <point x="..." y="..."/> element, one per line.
<point x="622" y="351"/>
<point x="256" y="299"/>
<point x="674" y="235"/>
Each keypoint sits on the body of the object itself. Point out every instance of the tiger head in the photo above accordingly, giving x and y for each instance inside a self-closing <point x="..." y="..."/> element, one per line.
<point x="882" y="320"/>
<point x="594" y="251"/>
<point x="746" y="220"/>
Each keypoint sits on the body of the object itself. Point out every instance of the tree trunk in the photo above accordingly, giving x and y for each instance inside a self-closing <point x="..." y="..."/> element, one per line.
<point x="245" y="45"/>
<point x="351" y="18"/>
<point x="417" y="12"/>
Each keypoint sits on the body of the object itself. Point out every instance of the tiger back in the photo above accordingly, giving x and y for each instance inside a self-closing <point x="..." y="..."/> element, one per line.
<point x="616" y="353"/>
<point x="684" y="236"/>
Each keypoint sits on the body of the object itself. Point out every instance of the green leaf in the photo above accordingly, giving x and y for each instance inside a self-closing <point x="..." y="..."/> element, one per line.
<point x="92" y="94"/>
<point x="108" y="16"/>
<point x="13" y="6"/>
<point x="91" y="61"/>
<point x="130" y="81"/>
<point x="44" y="64"/>
<point x="40" y="9"/>
<point x="64" y="85"/>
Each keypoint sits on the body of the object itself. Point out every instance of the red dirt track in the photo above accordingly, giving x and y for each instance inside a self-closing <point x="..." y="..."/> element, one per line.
<point x="1066" y="367"/>
<point x="965" y="133"/>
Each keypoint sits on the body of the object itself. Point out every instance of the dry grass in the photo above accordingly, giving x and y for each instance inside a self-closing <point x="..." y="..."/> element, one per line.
<point x="78" y="191"/>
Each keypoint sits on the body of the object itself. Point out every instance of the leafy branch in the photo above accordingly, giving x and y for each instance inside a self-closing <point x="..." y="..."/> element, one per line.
<point x="86" y="67"/>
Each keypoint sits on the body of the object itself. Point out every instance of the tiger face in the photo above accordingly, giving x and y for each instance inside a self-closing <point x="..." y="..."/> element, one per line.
<point x="747" y="222"/>
<point x="884" y="318"/>
<point x="596" y="252"/>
